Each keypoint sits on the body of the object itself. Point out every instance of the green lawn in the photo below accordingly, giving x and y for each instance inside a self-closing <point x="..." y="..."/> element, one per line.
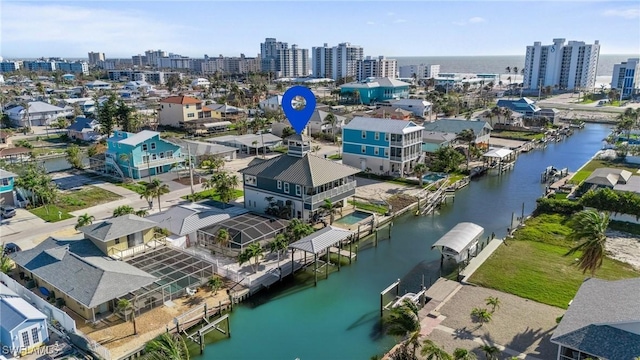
<point x="85" y="198"/>
<point x="380" y="209"/>
<point x="533" y="265"/>
<point x="335" y="157"/>
<point x="584" y="173"/>
<point x="518" y="135"/>
<point x="52" y="214"/>
<point x="210" y="194"/>
<point x="137" y="187"/>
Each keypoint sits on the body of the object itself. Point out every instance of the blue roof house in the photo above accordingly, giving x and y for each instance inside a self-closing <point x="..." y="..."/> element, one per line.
<point x="524" y="106"/>
<point x="142" y="154"/>
<point x="84" y="129"/>
<point x="22" y="327"/>
<point x="7" y="195"/>
<point x="373" y="90"/>
<point x="384" y="146"/>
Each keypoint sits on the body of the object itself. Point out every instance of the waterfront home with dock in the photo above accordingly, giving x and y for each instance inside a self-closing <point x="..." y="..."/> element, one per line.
<point x="460" y="243"/>
<point x="481" y="129"/>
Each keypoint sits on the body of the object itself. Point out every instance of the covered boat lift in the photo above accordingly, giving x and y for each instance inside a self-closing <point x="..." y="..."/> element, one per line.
<point x="459" y="242"/>
<point x="500" y="159"/>
<point x="322" y="241"/>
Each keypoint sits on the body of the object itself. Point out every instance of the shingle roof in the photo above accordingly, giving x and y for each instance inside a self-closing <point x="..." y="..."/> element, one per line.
<point x="80" y="270"/>
<point x="599" y="303"/>
<point x="308" y="170"/>
<point x="117" y="227"/>
<point x="185" y="219"/>
<point x="608" y="176"/>
<point x="321" y="239"/>
<point x="182" y="100"/>
<point x="15" y="310"/>
<point x="81" y="124"/>
<point x="201" y="148"/>
<point x="391" y="126"/>
<point x="456" y="126"/>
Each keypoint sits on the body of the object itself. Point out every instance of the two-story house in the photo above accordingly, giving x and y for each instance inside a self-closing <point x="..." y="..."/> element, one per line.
<point x="84" y="129"/>
<point x="372" y="90"/>
<point x="296" y="182"/>
<point x="224" y="112"/>
<point x="383" y="146"/>
<point x="183" y="112"/>
<point x="121" y="233"/>
<point x="481" y="129"/>
<point x="7" y="194"/>
<point x="142" y="154"/>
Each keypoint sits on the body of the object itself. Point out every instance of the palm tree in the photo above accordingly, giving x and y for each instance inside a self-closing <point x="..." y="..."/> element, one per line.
<point x="433" y="352"/>
<point x="403" y="319"/>
<point x="490" y="351"/>
<point x="481" y="315"/>
<point x="141" y="212"/>
<point x="167" y="347"/>
<point x="589" y="227"/>
<point x="5" y="261"/>
<point x="222" y="239"/>
<point x="123" y="210"/>
<point x="125" y="158"/>
<point x="331" y="209"/>
<point x="315" y="149"/>
<point x="124" y="306"/>
<point x="278" y="245"/>
<point x="494" y="302"/>
<point x="215" y="283"/>
<point x="84" y="220"/>
<point x="420" y="169"/>
<point x="25" y="106"/>
<point x="468" y="136"/>
<point x="331" y="120"/>
<point x="148" y="194"/>
<point x="255" y="251"/>
<point x="463" y="354"/>
<point x="159" y="189"/>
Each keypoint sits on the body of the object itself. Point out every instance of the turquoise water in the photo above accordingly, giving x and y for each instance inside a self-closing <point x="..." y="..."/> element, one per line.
<point x="433" y="177"/>
<point x="353" y="218"/>
<point x="339" y="319"/>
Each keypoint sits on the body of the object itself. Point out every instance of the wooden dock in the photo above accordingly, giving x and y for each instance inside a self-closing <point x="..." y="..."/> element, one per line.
<point x="346" y="253"/>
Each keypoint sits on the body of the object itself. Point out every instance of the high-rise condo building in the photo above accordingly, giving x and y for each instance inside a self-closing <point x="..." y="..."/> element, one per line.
<point x="563" y="66"/>
<point x="293" y="62"/>
<point x="337" y="62"/>
<point x="626" y="78"/>
<point x="94" y="57"/>
<point x="379" y="67"/>
<point x="421" y="71"/>
<point x="269" y="54"/>
<point x="152" y="56"/>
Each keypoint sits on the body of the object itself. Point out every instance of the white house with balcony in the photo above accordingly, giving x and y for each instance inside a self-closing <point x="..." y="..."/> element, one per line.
<point x="296" y="183"/>
<point x="37" y="113"/>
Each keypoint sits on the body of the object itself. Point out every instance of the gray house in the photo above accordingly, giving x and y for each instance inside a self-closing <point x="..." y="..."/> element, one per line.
<point x="22" y="327"/>
<point x="481" y="129"/>
<point x="602" y="322"/>
<point x="297" y="181"/>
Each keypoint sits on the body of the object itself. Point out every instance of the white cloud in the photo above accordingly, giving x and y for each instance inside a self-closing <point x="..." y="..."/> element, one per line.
<point x="631" y="13"/>
<point x="459" y="23"/>
<point x="476" y="19"/>
<point x="399" y="21"/>
<point x="77" y="30"/>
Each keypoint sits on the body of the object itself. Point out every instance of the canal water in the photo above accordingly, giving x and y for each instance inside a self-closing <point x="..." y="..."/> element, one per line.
<point x="339" y="319"/>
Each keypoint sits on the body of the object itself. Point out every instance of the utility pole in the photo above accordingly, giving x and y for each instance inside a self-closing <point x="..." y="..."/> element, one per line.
<point x="148" y="166"/>
<point x="539" y="89"/>
<point x="190" y="169"/>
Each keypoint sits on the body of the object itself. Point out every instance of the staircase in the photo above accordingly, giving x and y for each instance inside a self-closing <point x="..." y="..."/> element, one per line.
<point x="113" y="164"/>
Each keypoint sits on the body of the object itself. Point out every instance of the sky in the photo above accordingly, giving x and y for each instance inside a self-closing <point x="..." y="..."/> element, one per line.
<point x="120" y="29"/>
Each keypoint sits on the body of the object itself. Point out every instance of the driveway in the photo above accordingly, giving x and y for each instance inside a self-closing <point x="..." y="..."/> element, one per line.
<point x="23" y="222"/>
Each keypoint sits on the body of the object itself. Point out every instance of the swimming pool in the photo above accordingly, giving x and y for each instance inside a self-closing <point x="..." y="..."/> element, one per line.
<point x="433" y="177"/>
<point x="353" y="218"/>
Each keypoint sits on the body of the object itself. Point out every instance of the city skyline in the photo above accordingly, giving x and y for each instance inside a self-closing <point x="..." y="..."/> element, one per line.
<point x="122" y="29"/>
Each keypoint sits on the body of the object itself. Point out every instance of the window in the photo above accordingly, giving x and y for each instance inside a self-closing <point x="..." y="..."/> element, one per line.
<point x="279" y="185"/>
<point x="364" y="134"/>
<point x="25" y="339"/>
<point x="375" y="151"/>
<point x="5" y="182"/>
<point x="161" y="155"/>
<point x="286" y="187"/>
<point x="187" y="106"/>
<point x="386" y="152"/>
<point x="34" y="335"/>
<point x="250" y="180"/>
<point x="298" y="190"/>
<point x="191" y="115"/>
<point x="363" y="149"/>
<point x="145" y="147"/>
<point x="145" y="158"/>
<point x="377" y="136"/>
<point x="153" y="146"/>
<point x="154" y="157"/>
<point x="169" y="153"/>
<point x="386" y="137"/>
<point x="117" y="241"/>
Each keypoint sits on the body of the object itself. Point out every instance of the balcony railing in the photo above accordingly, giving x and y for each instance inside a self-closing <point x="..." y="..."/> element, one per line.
<point x="159" y="162"/>
<point x="313" y="199"/>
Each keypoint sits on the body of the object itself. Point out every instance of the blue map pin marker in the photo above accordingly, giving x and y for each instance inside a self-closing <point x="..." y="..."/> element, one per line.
<point x="298" y="118"/>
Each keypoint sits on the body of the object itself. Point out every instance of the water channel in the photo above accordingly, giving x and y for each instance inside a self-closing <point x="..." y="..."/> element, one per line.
<point x="339" y="319"/>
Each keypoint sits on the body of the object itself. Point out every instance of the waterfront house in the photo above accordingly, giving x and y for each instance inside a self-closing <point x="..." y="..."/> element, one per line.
<point x="296" y="183"/>
<point x="23" y="328"/>
<point x="372" y="90"/>
<point x="77" y="274"/>
<point x="418" y="107"/>
<point x="524" y="106"/>
<point x="141" y="154"/>
<point x="7" y="192"/>
<point x="84" y="129"/>
<point x="39" y="114"/>
<point x="383" y="146"/>
<point x="616" y="179"/>
<point x="183" y="221"/>
<point x="481" y="129"/>
<point x="602" y="322"/>
<point x="183" y="112"/>
<point x="434" y="140"/>
<point x="118" y="234"/>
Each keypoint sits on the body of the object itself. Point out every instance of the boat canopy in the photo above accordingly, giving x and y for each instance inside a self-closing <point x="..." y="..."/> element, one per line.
<point x="459" y="238"/>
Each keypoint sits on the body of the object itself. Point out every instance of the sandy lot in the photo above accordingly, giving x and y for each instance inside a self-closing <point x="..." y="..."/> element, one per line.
<point x="624" y="247"/>
<point x="518" y="324"/>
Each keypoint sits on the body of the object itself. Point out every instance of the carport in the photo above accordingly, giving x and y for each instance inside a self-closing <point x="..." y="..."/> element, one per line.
<point x="322" y="241"/>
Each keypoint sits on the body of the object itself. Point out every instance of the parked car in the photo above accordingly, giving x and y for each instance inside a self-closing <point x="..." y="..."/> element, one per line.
<point x="7" y="212"/>
<point x="10" y="248"/>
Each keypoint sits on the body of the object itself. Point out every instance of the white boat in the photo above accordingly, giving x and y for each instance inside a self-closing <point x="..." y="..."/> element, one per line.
<point x="409" y="296"/>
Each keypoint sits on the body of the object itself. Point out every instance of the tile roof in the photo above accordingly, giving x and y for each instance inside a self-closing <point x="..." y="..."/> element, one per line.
<point x="185" y="219"/>
<point x="309" y="170"/>
<point x="15" y="310"/>
<point x="391" y="126"/>
<point x="598" y="303"/>
<point x="79" y="269"/>
<point x="456" y="125"/>
<point x="182" y="100"/>
<point x="117" y="227"/>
